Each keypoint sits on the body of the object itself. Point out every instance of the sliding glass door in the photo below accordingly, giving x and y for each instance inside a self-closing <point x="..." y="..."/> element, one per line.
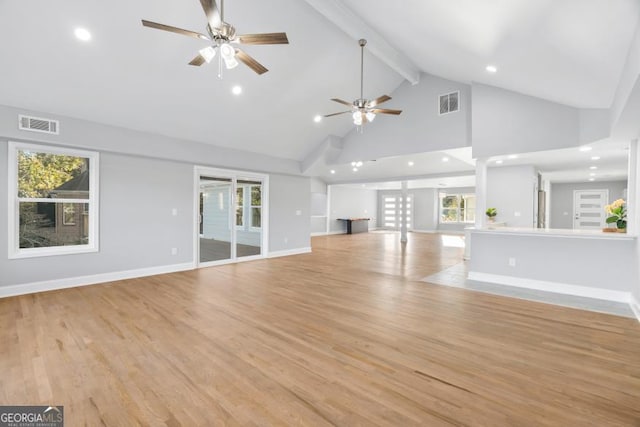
<point x="215" y="234"/>
<point x="230" y="216"/>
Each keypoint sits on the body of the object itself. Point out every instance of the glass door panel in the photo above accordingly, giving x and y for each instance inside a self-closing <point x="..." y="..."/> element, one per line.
<point x="248" y="217"/>
<point x="216" y="231"/>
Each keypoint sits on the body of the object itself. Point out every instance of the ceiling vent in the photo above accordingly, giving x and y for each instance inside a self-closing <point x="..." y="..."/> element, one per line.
<point x="38" y="124"/>
<point x="449" y="103"/>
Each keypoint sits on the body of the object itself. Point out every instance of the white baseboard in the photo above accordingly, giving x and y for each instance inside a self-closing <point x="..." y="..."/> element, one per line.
<point x="423" y="231"/>
<point x="558" y="288"/>
<point x="289" y="252"/>
<point x="635" y="307"/>
<point x="319" y="233"/>
<point x="72" y="282"/>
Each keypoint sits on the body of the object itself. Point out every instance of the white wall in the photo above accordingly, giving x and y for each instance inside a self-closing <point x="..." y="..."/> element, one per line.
<point x="511" y="190"/>
<point x="561" y="205"/>
<point x="419" y="128"/>
<point x="349" y="202"/>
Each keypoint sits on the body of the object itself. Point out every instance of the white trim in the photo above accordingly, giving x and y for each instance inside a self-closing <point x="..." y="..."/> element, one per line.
<point x="73" y="282"/>
<point x="319" y="233"/>
<point x="635" y="306"/>
<point x="559" y="288"/>
<point x="289" y="252"/>
<point x="424" y="231"/>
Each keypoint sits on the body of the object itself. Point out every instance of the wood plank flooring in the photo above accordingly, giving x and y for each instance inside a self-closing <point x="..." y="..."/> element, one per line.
<point x="344" y="336"/>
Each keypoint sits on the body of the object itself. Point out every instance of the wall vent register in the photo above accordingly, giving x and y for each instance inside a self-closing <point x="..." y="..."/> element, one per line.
<point x="449" y="103"/>
<point x="38" y="124"/>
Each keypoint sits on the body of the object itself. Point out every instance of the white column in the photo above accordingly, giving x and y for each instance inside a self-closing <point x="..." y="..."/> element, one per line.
<point x="481" y="192"/>
<point x="633" y="189"/>
<point x="403" y="213"/>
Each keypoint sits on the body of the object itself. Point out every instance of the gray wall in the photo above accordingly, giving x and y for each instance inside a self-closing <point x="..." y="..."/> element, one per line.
<point x="510" y="190"/>
<point x="506" y="122"/>
<point x="419" y="128"/>
<point x="137" y="229"/>
<point x="289" y="213"/>
<point x="349" y="202"/>
<point x="561" y="199"/>
<point x="575" y="261"/>
<point x="425" y="209"/>
<point x="137" y="195"/>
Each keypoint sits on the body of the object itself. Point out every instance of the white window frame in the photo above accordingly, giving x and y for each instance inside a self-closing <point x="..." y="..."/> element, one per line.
<point x="13" y="239"/>
<point x="441" y="196"/>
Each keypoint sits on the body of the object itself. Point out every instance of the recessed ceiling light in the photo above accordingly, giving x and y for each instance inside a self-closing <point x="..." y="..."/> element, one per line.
<point x="593" y="168"/>
<point x="585" y="148"/>
<point x="499" y="162"/>
<point x="491" y="69"/>
<point x="512" y="156"/>
<point x="82" y="34"/>
<point x="355" y="169"/>
<point x="236" y="90"/>
<point x="445" y="159"/>
<point x="595" y="158"/>
<point x="410" y="163"/>
<point x="592" y="179"/>
<point x="317" y="119"/>
<point x="332" y="171"/>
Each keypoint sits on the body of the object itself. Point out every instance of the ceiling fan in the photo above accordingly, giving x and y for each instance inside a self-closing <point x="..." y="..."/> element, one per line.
<point x="222" y="35"/>
<point x="363" y="110"/>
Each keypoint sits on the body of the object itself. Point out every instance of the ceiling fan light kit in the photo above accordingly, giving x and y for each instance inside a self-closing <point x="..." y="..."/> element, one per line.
<point x="222" y="35"/>
<point x="363" y="110"/>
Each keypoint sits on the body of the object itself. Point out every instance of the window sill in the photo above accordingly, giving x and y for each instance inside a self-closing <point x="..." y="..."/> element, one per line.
<point x="45" y="252"/>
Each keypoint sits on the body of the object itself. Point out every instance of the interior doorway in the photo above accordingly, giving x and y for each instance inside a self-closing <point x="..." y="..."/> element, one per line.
<point x="231" y="216"/>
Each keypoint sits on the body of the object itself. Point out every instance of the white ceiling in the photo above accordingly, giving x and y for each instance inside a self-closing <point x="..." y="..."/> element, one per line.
<point x="570" y="51"/>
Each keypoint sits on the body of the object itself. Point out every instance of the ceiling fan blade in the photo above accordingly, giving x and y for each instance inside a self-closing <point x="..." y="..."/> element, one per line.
<point x="174" y="30"/>
<point x="197" y="61"/>
<point x="379" y="100"/>
<point x="340" y="101"/>
<point x="212" y="11"/>
<point x="337" y="114"/>
<point x="385" y="111"/>
<point x="250" y="62"/>
<point x="265" y="38"/>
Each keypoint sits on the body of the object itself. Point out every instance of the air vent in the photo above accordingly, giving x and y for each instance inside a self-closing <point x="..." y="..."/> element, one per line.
<point x="449" y="103"/>
<point x="38" y="124"/>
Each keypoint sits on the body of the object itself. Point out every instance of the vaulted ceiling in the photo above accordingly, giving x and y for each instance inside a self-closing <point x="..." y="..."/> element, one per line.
<point x="569" y="51"/>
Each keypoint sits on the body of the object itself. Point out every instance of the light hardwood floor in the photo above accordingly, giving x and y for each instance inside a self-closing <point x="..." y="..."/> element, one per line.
<point x="343" y="336"/>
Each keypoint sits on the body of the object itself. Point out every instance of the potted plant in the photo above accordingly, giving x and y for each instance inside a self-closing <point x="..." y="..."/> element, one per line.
<point x="491" y="214"/>
<point x="617" y="212"/>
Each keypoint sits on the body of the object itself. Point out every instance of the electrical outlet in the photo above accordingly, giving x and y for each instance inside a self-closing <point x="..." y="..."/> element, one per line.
<point x="298" y="212"/>
<point x="517" y="214"/>
<point x="286" y="240"/>
<point x="174" y="251"/>
<point x="174" y="212"/>
<point x="512" y="262"/>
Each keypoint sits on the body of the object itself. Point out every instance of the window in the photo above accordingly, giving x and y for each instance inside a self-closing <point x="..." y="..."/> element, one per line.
<point x="256" y="206"/>
<point x="449" y="103"/>
<point x="249" y="205"/>
<point x="53" y="201"/>
<point x="457" y="208"/>
<point x="240" y="207"/>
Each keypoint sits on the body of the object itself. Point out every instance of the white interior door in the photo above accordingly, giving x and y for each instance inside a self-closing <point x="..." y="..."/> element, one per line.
<point x="588" y="209"/>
